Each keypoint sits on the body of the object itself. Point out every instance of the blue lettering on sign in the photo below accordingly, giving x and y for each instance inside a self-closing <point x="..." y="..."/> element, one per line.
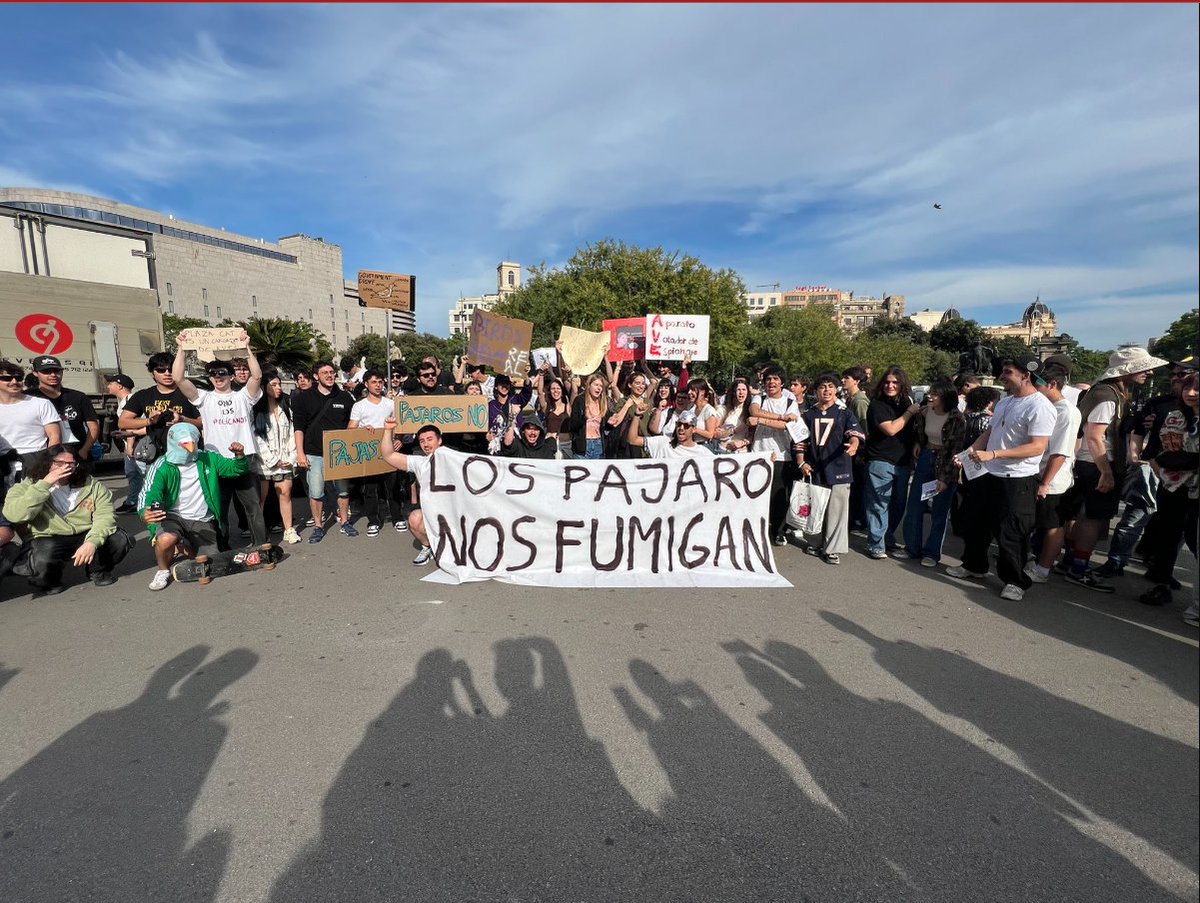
<point x="360" y="453"/>
<point x="419" y="414"/>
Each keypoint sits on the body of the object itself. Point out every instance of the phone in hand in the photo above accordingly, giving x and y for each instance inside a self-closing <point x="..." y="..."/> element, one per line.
<point x="155" y="506"/>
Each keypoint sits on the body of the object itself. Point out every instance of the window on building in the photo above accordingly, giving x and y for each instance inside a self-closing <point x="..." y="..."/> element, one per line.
<point x="511" y="278"/>
<point x="332" y="312"/>
<point x="218" y="311"/>
<point x="362" y="315"/>
<point x="331" y="297"/>
<point x="204" y="294"/>
<point x="363" y="328"/>
<point x="170" y="306"/>
<point x="254" y="300"/>
<point x="346" y="314"/>
<point x="170" y="291"/>
<point x="206" y="310"/>
<point x="310" y="313"/>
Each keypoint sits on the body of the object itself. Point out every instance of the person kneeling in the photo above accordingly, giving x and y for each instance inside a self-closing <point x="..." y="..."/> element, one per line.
<point x="70" y="518"/>
<point x="181" y="499"/>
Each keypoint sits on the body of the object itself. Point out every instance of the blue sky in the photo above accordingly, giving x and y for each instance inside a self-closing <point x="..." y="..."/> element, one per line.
<point x="795" y="144"/>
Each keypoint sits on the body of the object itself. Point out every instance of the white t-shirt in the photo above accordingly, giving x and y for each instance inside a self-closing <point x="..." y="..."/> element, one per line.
<point x="191" y="505"/>
<point x="23" y="424"/>
<point x="1062" y="442"/>
<point x="1017" y="420"/>
<point x="779" y="441"/>
<point x="660" y="447"/>
<point x="1101" y="413"/>
<point x="65" y="498"/>
<point x="367" y="413"/>
<point x="702" y="416"/>
<point x="227" y="419"/>
<point x="1071" y="394"/>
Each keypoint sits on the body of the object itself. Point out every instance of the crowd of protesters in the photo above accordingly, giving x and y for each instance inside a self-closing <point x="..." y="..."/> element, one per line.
<point x="1037" y="466"/>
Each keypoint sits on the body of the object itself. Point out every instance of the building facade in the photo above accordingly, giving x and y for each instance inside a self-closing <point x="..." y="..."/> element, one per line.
<point x="508" y="280"/>
<point x="211" y="274"/>
<point x="850" y="313"/>
<point x="1036" y="326"/>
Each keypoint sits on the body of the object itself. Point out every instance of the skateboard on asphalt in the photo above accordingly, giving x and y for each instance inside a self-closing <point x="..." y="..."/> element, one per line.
<point x="203" y="568"/>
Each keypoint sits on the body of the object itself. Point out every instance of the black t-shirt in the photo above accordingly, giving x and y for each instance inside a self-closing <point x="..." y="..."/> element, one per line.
<point x="146" y="403"/>
<point x="313" y="412"/>
<point x="880" y="446"/>
<point x="75" y="409"/>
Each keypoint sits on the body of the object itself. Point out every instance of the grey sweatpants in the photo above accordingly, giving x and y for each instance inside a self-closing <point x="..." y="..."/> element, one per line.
<point x="835" y="539"/>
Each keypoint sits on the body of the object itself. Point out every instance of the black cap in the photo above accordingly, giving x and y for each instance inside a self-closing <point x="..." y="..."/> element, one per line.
<point x="1061" y="360"/>
<point x="120" y="379"/>
<point x="46" y="362"/>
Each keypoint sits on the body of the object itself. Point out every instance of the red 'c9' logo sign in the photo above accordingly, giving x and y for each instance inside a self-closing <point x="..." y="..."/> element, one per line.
<point x="44" y="334"/>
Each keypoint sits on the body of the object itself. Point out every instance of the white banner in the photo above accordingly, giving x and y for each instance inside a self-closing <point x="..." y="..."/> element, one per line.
<point x="672" y="337"/>
<point x="677" y="522"/>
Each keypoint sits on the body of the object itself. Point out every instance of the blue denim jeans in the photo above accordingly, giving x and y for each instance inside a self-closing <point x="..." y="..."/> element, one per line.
<point x="914" y="516"/>
<point x="134" y="477"/>
<point x="595" y="449"/>
<point x="885" y="495"/>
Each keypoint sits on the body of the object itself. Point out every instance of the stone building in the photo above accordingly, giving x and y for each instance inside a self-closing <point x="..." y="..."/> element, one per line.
<point x="927" y="319"/>
<point x="211" y="274"/>
<point x="508" y="280"/>
<point x="851" y="313"/>
<point x="1037" y="324"/>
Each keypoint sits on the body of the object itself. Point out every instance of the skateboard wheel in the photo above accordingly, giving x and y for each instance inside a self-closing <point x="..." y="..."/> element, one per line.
<point x="204" y="581"/>
<point x="268" y="567"/>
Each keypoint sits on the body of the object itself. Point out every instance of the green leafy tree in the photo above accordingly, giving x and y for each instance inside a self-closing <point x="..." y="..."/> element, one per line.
<point x="903" y="328"/>
<point x="941" y="365"/>
<point x="611" y="280"/>
<point x="412" y="346"/>
<point x="1007" y="348"/>
<point x="373" y="347"/>
<point x="173" y="325"/>
<point x="798" y="339"/>
<point x="1181" y="338"/>
<point x="956" y="336"/>
<point x="881" y="353"/>
<point x="1087" y="365"/>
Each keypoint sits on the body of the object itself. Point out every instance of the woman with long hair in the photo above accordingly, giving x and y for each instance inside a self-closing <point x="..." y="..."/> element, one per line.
<point x="554" y="403"/>
<point x="734" y="434"/>
<point x="888" y="451"/>
<point x="589" y="413"/>
<point x="940" y="432"/>
<point x="657" y="420"/>
<point x="275" y="446"/>
<point x="632" y="408"/>
<point x="704" y="406"/>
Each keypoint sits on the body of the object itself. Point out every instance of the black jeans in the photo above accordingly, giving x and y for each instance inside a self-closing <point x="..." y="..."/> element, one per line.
<point x="1004" y="510"/>
<point x="245" y="488"/>
<point x="1176" y="521"/>
<point x="49" y="555"/>
<point x="781" y="485"/>
<point x="383" y="490"/>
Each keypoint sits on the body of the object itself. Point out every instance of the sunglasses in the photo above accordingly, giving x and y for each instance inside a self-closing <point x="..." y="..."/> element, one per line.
<point x="162" y="369"/>
<point x="219" y="373"/>
<point x="51" y="371"/>
<point x="426" y="375"/>
<point x="8" y="378"/>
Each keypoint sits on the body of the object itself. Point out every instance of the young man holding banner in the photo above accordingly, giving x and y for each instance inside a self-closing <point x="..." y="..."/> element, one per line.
<point x="429" y="440"/>
<point x="681" y="445"/>
<point x="370" y="412"/>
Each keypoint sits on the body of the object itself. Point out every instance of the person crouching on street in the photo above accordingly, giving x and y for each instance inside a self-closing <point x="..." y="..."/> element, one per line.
<point x="70" y="518"/>
<point x="181" y="499"/>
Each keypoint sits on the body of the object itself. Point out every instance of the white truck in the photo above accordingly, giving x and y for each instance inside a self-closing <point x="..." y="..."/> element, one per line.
<point x="83" y="293"/>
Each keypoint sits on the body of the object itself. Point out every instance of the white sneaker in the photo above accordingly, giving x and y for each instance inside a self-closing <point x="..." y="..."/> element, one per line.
<point x="290" y="535"/>
<point x="1031" y="572"/>
<point x="161" y="580"/>
<point x="958" y="572"/>
<point x="928" y="562"/>
<point x="424" y="556"/>
<point x="1012" y="592"/>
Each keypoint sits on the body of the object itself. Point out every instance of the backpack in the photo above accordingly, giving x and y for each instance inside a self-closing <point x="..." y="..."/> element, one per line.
<point x="146" y="450"/>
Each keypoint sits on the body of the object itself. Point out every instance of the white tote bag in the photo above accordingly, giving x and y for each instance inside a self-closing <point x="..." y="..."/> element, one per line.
<point x="806" y="510"/>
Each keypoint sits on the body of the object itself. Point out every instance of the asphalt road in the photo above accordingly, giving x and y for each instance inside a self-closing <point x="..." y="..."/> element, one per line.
<point x="337" y="730"/>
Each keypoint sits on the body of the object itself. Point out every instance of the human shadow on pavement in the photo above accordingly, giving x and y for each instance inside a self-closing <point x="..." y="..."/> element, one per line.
<point x="1108" y="624"/>
<point x="101" y="813"/>
<point x="956" y="821"/>
<point x="7" y="674"/>
<point x="444" y="800"/>
<point x="1144" y="782"/>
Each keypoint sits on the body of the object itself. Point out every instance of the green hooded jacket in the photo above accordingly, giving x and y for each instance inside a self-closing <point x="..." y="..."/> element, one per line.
<point x="29" y="503"/>
<point x="162" y="483"/>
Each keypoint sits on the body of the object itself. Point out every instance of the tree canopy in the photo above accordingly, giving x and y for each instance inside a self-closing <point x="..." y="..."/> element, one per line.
<point x="956" y="336"/>
<point x="900" y="327"/>
<point x="1181" y="338"/>
<point x="612" y="280"/>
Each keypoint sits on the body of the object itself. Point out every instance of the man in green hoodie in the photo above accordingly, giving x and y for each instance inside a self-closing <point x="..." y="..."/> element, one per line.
<point x="180" y="502"/>
<point x="70" y="518"/>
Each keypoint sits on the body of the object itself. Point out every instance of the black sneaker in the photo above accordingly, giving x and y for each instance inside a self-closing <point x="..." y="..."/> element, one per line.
<point x="1160" y="595"/>
<point x="105" y="579"/>
<point x="1170" y="581"/>
<point x="1110" y="568"/>
<point x="1089" y="580"/>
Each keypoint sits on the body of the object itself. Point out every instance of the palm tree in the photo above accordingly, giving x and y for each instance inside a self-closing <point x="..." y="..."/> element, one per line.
<point x="292" y="345"/>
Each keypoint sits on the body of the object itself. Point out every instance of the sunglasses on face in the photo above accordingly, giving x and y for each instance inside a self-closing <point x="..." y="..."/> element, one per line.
<point x="52" y="372"/>
<point x="8" y="378"/>
<point x="217" y="374"/>
<point x="162" y="369"/>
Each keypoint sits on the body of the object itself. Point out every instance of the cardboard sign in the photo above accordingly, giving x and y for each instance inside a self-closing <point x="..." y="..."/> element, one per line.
<point x="501" y="343"/>
<point x="449" y="413"/>
<point x="353" y="453"/>
<point x="671" y="337"/>
<point x="628" y="339"/>
<point x="209" y="344"/>
<point x="389" y="291"/>
<point x="583" y="351"/>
